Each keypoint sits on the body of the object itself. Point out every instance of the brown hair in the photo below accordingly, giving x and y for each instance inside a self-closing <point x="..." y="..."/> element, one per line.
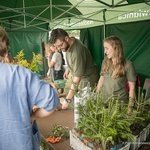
<point x="118" y="64"/>
<point x="4" y="42"/>
<point x="57" y="34"/>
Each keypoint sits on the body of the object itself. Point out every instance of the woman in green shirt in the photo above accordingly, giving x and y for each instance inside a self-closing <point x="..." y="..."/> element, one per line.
<point x="116" y="71"/>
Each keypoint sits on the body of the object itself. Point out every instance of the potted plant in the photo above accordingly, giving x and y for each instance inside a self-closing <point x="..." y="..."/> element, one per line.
<point x="140" y="128"/>
<point x="105" y="123"/>
<point x="58" y="132"/>
<point x="33" y="65"/>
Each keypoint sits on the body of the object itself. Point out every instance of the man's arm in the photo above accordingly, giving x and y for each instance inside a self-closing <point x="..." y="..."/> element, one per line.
<point x="73" y="89"/>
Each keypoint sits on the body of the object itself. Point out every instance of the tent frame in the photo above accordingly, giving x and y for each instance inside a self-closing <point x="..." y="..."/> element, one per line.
<point x="36" y="20"/>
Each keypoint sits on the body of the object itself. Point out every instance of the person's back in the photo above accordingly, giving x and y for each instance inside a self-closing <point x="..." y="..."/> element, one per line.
<point x="57" y="58"/>
<point x="20" y="91"/>
<point x="18" y="94"/>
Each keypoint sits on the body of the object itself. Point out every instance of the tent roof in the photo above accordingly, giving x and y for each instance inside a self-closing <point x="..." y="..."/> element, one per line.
<point x="70" y="14"/>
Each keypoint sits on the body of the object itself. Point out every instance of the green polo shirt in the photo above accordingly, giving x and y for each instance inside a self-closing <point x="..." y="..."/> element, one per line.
<point x="81" y="63"/>
<point x="117" y="87"/>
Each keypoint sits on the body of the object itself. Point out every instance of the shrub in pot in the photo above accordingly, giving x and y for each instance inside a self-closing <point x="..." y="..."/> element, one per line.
<point x="33" y="65"/>
<point x="105" y="123"/>
<point x="142" y="106"/>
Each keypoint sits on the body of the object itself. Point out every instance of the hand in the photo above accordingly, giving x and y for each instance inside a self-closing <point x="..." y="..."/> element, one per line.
<point x="53" y="85"/>
<point x="6" y="58"/>
<point x="129" y="111"/>
<point x="48" y="54"/>
<point x="65" y="105"/>
<point x="65" y="76"/>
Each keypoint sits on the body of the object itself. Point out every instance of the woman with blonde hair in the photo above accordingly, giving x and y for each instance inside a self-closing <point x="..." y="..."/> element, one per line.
<point x="116" y="71"/>
<point x="56" y="64"/>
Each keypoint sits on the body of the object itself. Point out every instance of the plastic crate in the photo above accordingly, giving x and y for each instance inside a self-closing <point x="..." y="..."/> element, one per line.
<point x="77" y="144"/>
<point x="147" y="130"/>
<point x="119" y="147"/>
<point x="138" y="140"/>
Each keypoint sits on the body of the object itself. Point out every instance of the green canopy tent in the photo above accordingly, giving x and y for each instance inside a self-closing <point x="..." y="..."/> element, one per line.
<point x="98" y="12"/>
<point x="29" y="21"/>
<point x="70" y="14"/>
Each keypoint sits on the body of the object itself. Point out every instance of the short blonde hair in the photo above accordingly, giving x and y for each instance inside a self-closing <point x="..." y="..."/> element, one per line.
<point x="47" y="48"/>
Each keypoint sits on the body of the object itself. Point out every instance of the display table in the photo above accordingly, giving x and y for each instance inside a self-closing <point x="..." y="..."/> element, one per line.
<point x="61" y="117"/>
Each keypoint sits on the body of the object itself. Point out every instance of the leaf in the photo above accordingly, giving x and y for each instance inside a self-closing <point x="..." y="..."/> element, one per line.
<point x="33" y="65"/>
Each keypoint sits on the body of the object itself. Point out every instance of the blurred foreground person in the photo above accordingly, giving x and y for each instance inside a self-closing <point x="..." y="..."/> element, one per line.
<point x="20" y="91"/>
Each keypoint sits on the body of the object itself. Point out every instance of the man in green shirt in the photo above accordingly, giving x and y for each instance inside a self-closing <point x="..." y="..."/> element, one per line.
<point x="79" y="61"/>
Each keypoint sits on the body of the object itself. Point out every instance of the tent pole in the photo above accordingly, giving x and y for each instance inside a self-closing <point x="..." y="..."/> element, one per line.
<point x="104" y="30"/>
<point x="43" y="54"/>
<point x="104" y="18"/>
<point x="24" y="14"/>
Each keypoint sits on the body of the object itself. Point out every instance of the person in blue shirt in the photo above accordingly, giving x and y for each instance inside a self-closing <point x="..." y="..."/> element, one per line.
<point x="20" y="91"/>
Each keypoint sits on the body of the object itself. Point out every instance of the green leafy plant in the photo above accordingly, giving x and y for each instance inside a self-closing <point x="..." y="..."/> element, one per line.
<point x="142" y="106"/>
<point x="105" y="122"/>
<point x="60" y="131"/>
<point x="43" y="146"/>
<point x="33" y="65"/>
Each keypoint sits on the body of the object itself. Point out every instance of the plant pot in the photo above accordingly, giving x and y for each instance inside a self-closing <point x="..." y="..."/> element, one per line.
<point x="80" y="98"/>
<point x="147" y="130"/>
<point x="139" y="139"/>
<point x="117" y="147"/>
<point x="77" y="144"/>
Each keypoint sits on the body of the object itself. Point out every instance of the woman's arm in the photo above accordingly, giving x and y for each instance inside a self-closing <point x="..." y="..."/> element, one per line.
<point x="131" y="93"/>
<point x="49" y="58"/>
<point x="100" y="83"/>
<point x="51" y="64"/>
<point x="131" y="96"/>
<point x="131" y="90"/>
